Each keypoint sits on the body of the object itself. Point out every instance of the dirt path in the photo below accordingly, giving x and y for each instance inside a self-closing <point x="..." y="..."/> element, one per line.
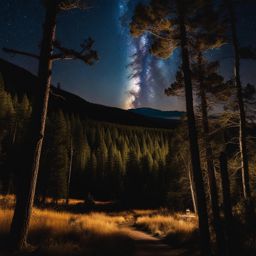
<point x="147" y="245"/>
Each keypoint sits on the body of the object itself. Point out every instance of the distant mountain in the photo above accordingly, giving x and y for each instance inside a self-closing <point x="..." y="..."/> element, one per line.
<point x="19" y="81"/>
<point x="155" y="113"/>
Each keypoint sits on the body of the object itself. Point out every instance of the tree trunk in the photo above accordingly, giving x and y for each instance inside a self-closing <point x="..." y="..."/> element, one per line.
<point x="227" y="204"/>
<point x="242" y="119"/>
<point x="70" y="170"/>
<point x="14" y="133"/>
<point x="187" y="165"/>
<point x="26" y="192"/>
<point x="193" y="139"/>
<point x="193" y="196"/>
<point x="220" y="239"/>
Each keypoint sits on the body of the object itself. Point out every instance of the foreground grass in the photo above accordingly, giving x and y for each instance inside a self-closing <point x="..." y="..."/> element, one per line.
<point x="58" y="233"/>
<point x="64" y="233"/>
<point x="177" y="230"/>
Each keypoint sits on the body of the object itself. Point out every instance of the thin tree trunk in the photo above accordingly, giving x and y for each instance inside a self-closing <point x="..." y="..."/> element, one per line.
<point x="193" y="196"/>
<point x="14" y="133"/>
<point x="26" y="192"/>
<point x="220" y="239"/>
<point x="227" y="204"/>
<point x="70" y="170"/>
<point x="242" y="119"/>
<point x="193" y="139"/>
<point x="187" y="166"/>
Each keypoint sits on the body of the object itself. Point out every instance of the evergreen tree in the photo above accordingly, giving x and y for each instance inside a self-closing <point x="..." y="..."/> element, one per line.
<point x="169" y="23"/>
<point x="242" y="115"/>
<point x="25" y="197"/>
<point x="132" y="181"/>
<point x="58" y="172"/>
<point x="205" y="80"/>
<point x="53" y="175"/>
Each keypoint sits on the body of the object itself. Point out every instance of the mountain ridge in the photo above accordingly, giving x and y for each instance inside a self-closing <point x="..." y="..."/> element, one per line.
<point x="19" y="81"/>
<point x="157" y="113"/>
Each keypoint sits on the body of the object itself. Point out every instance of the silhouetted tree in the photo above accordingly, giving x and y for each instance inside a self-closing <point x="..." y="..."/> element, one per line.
<point x="51" y="50"/>
<point x="242" y="116"/>
<point x="209" y="34"/>
<point x="168" y="23"/>
<point x="228" y="215"/>
<point x="206" y="81"/>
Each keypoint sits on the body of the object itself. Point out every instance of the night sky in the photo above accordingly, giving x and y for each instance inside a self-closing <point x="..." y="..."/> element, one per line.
<point x="108" y="82"/>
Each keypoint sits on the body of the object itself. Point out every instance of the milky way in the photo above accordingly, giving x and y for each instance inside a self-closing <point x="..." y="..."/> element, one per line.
<point x="147" y="76"/>
<point x="127" y="75"/>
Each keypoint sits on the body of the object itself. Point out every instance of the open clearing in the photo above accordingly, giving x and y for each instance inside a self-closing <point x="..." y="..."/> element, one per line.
<point x="128" y="233"/>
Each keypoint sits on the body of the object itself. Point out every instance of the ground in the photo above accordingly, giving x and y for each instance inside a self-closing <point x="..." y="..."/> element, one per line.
<point x="147" y="245"/>
<point x="135" y="232"/>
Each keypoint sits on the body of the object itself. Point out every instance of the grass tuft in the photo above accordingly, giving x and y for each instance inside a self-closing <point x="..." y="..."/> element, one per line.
<point x="61" y="233"/>
<point x="177" y="230"/>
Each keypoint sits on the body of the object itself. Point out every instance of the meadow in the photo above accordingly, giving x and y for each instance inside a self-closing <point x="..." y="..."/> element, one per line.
<point x="55" y="232"/>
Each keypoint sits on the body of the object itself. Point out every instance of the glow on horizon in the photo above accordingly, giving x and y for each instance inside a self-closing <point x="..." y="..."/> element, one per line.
<point x="132" y="93"/>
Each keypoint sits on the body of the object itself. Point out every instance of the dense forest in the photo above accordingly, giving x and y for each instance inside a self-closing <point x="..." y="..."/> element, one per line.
<point x="81" y="156"/>
<point x="111" y="161"/>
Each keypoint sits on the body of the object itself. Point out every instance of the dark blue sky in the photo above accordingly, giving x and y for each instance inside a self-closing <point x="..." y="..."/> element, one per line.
<point x="21" y="23"/>
<point x="107" y="81"/>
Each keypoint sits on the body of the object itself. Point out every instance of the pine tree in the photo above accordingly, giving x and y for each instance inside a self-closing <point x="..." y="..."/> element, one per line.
<point x="6" y="123"/>
<point x="57" y="156"/>
<point x="206" y="80"/>
<point x="55" y="161"/>
<point x="6" y="104"/>
<point x="80" y="155"/>
<point x="242" y="115"/>
<point x="132" y="181"/>
<point x="168" y="22"/>
<point x="3" y="100"/>
<point x="25" y="197"/>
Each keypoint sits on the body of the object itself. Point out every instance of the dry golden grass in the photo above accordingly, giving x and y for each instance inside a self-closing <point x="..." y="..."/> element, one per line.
<point x="64" y="233"/>
<point x="177" y="229"/>
<point x="145" y="212"/>
<point x="60" y="233"/>
<point x="163" y="225"/>
<point x="7" y="201"/>
<point x="63" y="201"/>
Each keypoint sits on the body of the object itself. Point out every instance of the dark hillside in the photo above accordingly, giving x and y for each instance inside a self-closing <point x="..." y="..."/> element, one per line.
<point x="19" y="81"/>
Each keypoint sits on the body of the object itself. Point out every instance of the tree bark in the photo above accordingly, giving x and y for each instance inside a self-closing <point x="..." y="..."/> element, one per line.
<point x="242" y="119"/>
<point x="27" y="186"/>
<point x="70" y="170"/>
<point x="193" y="139"/>
<point x="220" y="239"/>
<point x="193" y="196"/>
<point x="227" y="204"/>
<point x="14" y="133"/>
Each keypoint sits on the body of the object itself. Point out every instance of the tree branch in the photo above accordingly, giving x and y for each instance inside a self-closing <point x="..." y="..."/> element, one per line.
<point x="28" y="54"/>
<point x="66" y="5"/>
<point x="70" y="54"/>
<point x="152" y="32"/>
<point x="87" y="55"/>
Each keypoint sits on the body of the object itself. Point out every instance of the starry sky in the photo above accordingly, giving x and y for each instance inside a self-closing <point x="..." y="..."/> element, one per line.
<point x="110" y="81"/>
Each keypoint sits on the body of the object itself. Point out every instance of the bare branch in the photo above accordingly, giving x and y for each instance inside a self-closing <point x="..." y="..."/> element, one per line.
<point x="155" y="34"/>
<point x="86" y="54"/>
<point x="13" y="51"/>
<point x="66" y="5"/>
